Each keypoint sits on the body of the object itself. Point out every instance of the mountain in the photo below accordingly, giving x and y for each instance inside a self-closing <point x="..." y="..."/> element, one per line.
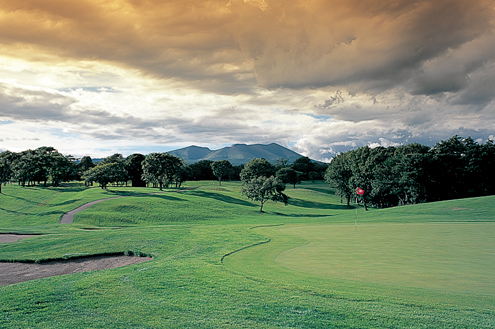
<point x="236" y="154"/>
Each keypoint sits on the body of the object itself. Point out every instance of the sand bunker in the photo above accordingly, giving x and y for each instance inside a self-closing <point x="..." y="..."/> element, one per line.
<point x="11" y="273"/>
<point x="5" y="238"/>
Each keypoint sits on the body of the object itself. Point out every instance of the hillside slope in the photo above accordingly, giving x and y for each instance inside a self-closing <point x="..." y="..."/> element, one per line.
<point x="237" y="154"/>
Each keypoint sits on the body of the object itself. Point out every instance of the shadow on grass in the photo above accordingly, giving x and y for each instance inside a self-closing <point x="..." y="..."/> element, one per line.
<point x="300" y="215"/>
<point x="14" y="212"/>
<point x="316" y="205"/>
<point x="23" y="199"/>
<point x="222" y="197"/>
<point x="319" y="189"/>
<point x="47" y="213"/>
<point x="111" y="193"/>
<point x="161" y="196"/>
<point x="63" y="189"/>
<point x="65" y="203"/>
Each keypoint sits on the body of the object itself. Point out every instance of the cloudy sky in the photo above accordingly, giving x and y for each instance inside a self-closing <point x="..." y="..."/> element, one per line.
<point x="95" y="77"/>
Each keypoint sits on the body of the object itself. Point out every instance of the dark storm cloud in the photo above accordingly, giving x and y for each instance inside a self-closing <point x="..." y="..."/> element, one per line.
<point x="219" y="45"/>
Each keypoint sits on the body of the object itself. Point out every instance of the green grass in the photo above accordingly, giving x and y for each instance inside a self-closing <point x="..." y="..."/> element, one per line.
<point x="453" y="257"/>
<point x="219" y="263"/>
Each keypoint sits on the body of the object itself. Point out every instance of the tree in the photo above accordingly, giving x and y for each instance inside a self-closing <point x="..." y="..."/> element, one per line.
<point x="220" y="169"/>
<point x="6" y="159"/>
<point x="25" y="167"/>
<point x="304" y="165"/>
<point x="256" y="168"/>
<point x="235" y="172"/>
<point x="201" y="170"/>
<point x="102" y="174"/>
<point x="182" y="176"/>
<point x="114" y="158"/>
<point x="281" y="163"/>
<point x="109" y="170"/>
<point x="289" y="176"/>
<point x="338" y="175"/>
<point x="262" y="189"/>
<point x="118" y="172"/>
<point x="161" y="168"/>
<point x="134" y="166"/>
<point x="62" y="168"/>
<point x="486" y="171"/>
<point x="447" y="168"/>
<point x="85" y="164"/>
<point x="410" y="169"/>
<point x="361" y="165"/>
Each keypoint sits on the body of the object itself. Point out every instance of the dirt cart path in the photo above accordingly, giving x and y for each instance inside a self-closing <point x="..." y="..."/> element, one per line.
<point x="68" y="217"/>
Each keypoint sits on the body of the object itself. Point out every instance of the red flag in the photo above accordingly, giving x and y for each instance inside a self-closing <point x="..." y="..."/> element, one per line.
<point x="360" y="191"/>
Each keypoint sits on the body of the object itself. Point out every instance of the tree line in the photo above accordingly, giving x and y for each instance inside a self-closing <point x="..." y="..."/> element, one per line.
<point x="414" y="173"/>
<point x="160" y="170"/>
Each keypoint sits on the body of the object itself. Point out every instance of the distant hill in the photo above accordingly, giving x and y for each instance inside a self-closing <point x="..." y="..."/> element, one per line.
<point x="237" y="154"/>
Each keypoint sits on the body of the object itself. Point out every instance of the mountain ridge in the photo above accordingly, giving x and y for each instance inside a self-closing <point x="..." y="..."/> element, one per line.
<point x="237" y="153"/>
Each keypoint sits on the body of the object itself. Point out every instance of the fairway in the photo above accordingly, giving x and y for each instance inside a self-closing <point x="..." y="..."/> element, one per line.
<point x="454" y="257"/>
<point x="220" y="263"/>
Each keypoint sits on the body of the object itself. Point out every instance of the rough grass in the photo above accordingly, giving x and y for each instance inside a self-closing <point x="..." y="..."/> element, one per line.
<point x="285" y="280"/>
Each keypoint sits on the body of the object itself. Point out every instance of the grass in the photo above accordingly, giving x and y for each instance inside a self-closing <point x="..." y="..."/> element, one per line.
<point x="219" y="263"/>
<point x="453" y="257"/>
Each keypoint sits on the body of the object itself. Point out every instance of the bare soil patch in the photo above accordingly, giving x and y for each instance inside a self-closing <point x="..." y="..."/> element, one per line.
<point x="11" y="273"/>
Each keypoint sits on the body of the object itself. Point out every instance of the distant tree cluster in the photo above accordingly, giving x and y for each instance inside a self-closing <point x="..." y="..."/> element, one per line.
<point x="157" y="169"/>
<point x="455" y="168"/>
<point x="47" y="164"/>
<point x="35" y="166"/>
<point x="301" y="169"/>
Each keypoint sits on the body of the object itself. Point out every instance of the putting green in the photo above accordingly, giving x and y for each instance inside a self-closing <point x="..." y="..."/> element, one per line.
<point x="454" y="257"/>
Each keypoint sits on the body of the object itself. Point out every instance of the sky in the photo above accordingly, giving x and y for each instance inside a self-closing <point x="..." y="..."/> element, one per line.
<point x="97" y="77"/>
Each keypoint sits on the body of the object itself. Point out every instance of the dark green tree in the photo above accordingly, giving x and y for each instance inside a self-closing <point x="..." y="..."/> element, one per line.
<point x="361" y="165"/>
<point x="117" y="173"/>
<point x="281" y="163"/>
<point x="182" y="176"/>
<point x="6" y="159"/>
<point x="201" y="170"/>
<point x="221" y="169"/>
<point x="256" y="168"/>
<point x="289" y="176"/>
<point x="304" y="165"/>
<point x="26" y="167"/>
<point x="134" y="167"/>
<point x="62" y="168"/>
<point x="338" y="175"/>
<point x="114" y="158"/>
<point x="262" y="189"/>
<point x="103" y="174"/>
<point x="161" y="168"/>
<point x="85" y="164"/>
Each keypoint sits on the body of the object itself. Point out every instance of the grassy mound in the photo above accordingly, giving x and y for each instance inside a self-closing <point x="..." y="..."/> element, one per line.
<point x="218" y="262"/>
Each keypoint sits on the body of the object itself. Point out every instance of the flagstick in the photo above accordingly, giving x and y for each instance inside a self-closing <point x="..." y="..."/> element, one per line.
<point x="355" y="221"/>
